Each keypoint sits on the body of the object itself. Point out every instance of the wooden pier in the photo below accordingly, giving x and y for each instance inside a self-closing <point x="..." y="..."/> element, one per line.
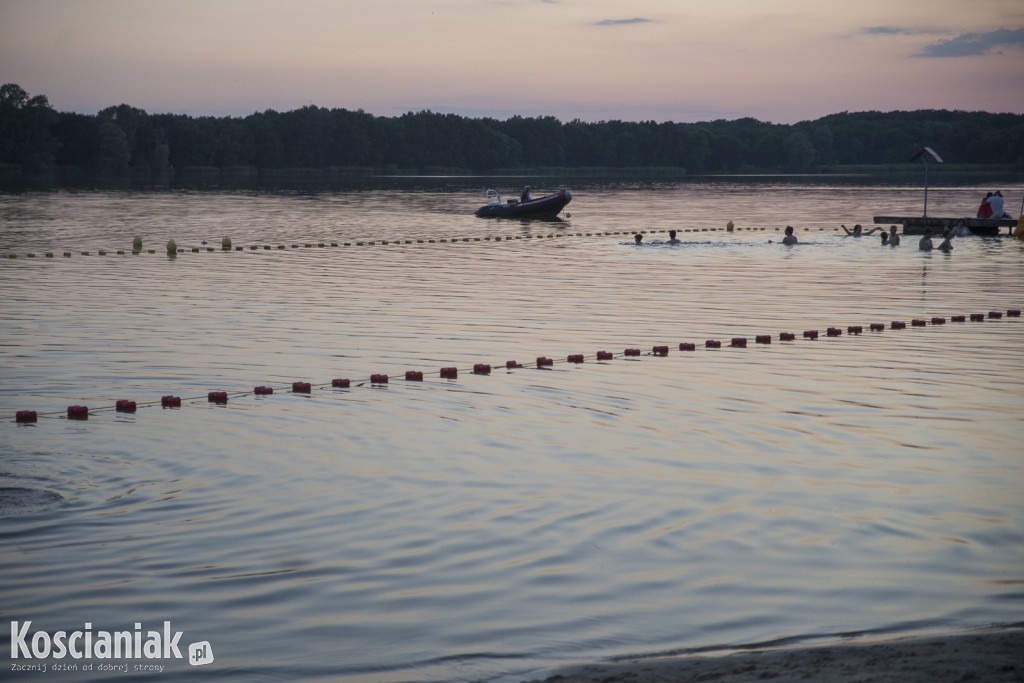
<point x="918" y="225"/>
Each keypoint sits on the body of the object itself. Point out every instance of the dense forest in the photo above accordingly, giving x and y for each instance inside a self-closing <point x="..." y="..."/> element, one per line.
<point x="123" y="140"/>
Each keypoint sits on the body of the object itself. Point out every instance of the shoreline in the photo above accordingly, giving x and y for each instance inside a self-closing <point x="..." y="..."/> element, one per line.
<point x="986" y="655"/>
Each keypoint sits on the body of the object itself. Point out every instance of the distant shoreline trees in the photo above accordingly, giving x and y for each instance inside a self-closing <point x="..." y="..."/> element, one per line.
<point x="123" y="141"/>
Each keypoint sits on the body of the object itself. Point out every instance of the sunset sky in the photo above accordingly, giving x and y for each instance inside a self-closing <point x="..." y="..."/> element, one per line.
<point x="665" y="60"/>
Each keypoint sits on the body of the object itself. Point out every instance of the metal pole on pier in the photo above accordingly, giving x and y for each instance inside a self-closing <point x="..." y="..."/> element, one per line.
<point x="925" y="153"/>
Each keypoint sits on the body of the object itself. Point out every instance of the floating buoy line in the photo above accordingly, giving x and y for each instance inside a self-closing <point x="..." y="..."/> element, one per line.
<point x="79" y="412"/>
<point x="172" y="248"/>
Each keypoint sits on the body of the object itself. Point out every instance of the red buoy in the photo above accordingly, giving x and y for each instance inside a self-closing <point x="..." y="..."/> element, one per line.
<point x="977" y="317"/>
<point x="739" y="342"/>
<point x="262" y="391"/>
<point x="712" y="344"/>
<point x="897" y="325"/>
<point x="810" y="334"/>
<point x="604" y="355"/>
<point x="301" y="388"/>
<point x="26" y="416"/>
<point x="877" y="327"/>
<point x="686" y="346"/>
<point x="413" y="376"/>
<point x="786" y="336"/>
<point x="217" y="397"/>
<point x="125" y="406"/>
<point x="854" y="329"/>
<point x="378" y="379"/>
<point x="1013" y="313"/>
<point x="995" y="315"/>
<point x="660" y="350"/>
<point x="78" y="413"/>
<point x="958" y="318"/>
<point x="449" y="373"/>
<point x="542" y="361"/>
<point x="918" y="322"/>
<point x="481" y="369"/>
<point x="632" y="352"/>
<point x="938" y="321"/>
<point x="833" y="332"/>
<point x="575" y="358"/>
<point x="170" y="401"/>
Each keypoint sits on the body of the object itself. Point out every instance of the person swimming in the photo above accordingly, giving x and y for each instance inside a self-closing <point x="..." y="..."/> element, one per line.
<point x="790" y="238"/>
<point x="858" y="230"/>
<point x="672" y="238"/>
<point x="947" y="241"/>
<point x="638" y="238"/>
<point x="925" y="243"/>
<point x="894" y="238"/>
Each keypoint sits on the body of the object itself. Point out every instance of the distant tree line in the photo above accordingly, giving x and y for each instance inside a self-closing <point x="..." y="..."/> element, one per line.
<point x="122" y="140"/>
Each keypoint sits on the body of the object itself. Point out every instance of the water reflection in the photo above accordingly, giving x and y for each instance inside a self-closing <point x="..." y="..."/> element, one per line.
<point x="495" y="524"/>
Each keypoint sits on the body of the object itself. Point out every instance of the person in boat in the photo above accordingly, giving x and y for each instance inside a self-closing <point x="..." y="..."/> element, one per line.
<point x="985" y="210"/>
<point x="526" y="195"/>
<point x="790" y="238"/>
<point x="858" y="230"/>
<point x="925" y="244"/>
<point x="947" y="241"/>
<point x="672" y="238"/>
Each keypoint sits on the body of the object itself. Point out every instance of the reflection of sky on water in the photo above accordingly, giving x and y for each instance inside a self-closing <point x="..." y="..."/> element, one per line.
<point x="713" y="497"/>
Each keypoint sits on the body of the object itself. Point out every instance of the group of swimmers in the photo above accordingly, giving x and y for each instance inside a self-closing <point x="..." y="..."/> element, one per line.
<point x="638" y="238"/>
<point x="891" y="238"/>
<point x="925" y="244"/>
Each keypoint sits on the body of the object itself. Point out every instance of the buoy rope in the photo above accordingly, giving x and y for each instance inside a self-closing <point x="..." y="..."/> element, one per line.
<point x="541" y="363"/>
<point x="377" y="242"/>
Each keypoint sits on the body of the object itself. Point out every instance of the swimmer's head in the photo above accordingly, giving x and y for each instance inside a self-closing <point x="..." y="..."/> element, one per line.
<point x="638" y="237"/>
<point x="672" y="234"/>
<point x="789" y="229"/>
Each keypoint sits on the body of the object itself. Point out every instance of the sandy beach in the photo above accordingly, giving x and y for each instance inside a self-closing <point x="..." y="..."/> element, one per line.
<point x="983" y="656"/>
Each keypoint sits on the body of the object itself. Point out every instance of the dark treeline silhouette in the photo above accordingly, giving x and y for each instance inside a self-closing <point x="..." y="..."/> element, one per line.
<point x="124" y="140"/>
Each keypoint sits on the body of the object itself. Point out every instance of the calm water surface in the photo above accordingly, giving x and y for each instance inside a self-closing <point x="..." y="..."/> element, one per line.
<point x="494" y="527"/>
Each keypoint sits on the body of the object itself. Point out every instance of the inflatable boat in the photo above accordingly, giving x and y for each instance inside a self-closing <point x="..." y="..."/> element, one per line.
<point x="543" y="207"/>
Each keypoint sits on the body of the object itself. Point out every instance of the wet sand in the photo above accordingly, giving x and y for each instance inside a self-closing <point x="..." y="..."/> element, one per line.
<point x="981" y="656"/>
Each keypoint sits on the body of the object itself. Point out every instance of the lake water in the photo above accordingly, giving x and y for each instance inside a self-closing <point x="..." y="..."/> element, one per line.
<point x="494" y="527"/>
